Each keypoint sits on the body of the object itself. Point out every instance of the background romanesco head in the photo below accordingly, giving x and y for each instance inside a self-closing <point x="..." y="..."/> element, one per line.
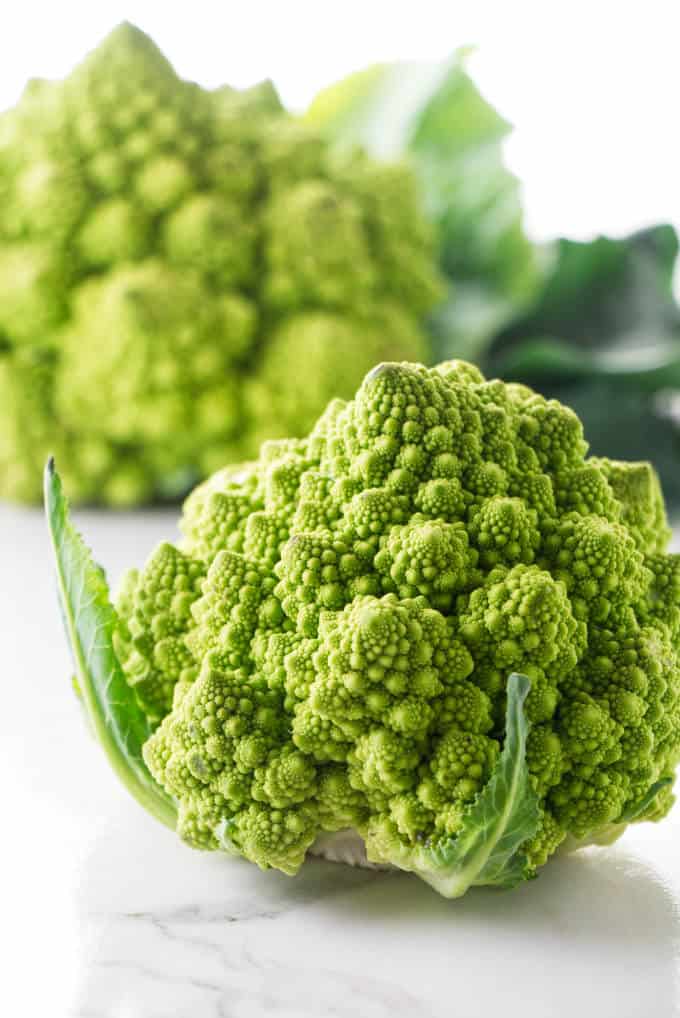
<point x="329" y="645"/>
<point x="184" y="273"/>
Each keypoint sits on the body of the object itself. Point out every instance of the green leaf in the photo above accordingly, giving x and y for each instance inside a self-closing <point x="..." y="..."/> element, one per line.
<point x="115" y="718"/>
<point x="606" y="308"/>
<point x="487" y="849"/>
<point x="637" y="810"/>
<point x="603" y="336"/>
<point x="378" y="107"/>
<point x="434" y="116"/>
<point x="649" y="366"/>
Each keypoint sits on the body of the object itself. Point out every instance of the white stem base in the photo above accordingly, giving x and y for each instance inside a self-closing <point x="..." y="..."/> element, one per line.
<point x="345" y="847"/>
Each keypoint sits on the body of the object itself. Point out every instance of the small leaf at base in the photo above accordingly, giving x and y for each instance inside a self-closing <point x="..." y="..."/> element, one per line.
<point x="505" y="814"/>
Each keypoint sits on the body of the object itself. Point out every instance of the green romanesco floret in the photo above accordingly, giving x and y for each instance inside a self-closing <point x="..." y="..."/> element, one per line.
<point x="637" y="488"/>
<point x="155" y="613"/>
<point x="185" y="273"/>
<point x="342" y="614"/>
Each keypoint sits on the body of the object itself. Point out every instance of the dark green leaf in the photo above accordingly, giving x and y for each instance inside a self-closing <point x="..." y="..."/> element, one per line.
<point x="112" y="710"/>
<point x="603" y="336"/>
<point x="648" y="366"/>
<point x="607" y="301"/>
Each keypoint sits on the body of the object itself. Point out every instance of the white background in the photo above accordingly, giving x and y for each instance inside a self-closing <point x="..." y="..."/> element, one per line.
<point x="592" y="87"/>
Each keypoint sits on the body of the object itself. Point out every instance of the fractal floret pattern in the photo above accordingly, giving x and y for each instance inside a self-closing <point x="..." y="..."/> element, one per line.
<point x="184" y="273"/>
<point x="329" y="645"/>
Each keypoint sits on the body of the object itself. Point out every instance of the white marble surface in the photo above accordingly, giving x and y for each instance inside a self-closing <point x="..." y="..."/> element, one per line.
<point x="104" y="914"/>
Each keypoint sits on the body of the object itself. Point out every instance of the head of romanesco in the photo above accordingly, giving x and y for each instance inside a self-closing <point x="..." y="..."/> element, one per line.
<point x="328" y="647"/>
<point x="184" y="273"/>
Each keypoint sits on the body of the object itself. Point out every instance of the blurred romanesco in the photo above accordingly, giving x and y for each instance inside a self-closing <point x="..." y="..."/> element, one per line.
<point x="184" y="273"/>
<point x="358" y="629"/>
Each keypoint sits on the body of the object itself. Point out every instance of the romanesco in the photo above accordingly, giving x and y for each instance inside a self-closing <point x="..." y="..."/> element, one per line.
<point x="433" y="621"/>
<point x="184" y="273"/>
